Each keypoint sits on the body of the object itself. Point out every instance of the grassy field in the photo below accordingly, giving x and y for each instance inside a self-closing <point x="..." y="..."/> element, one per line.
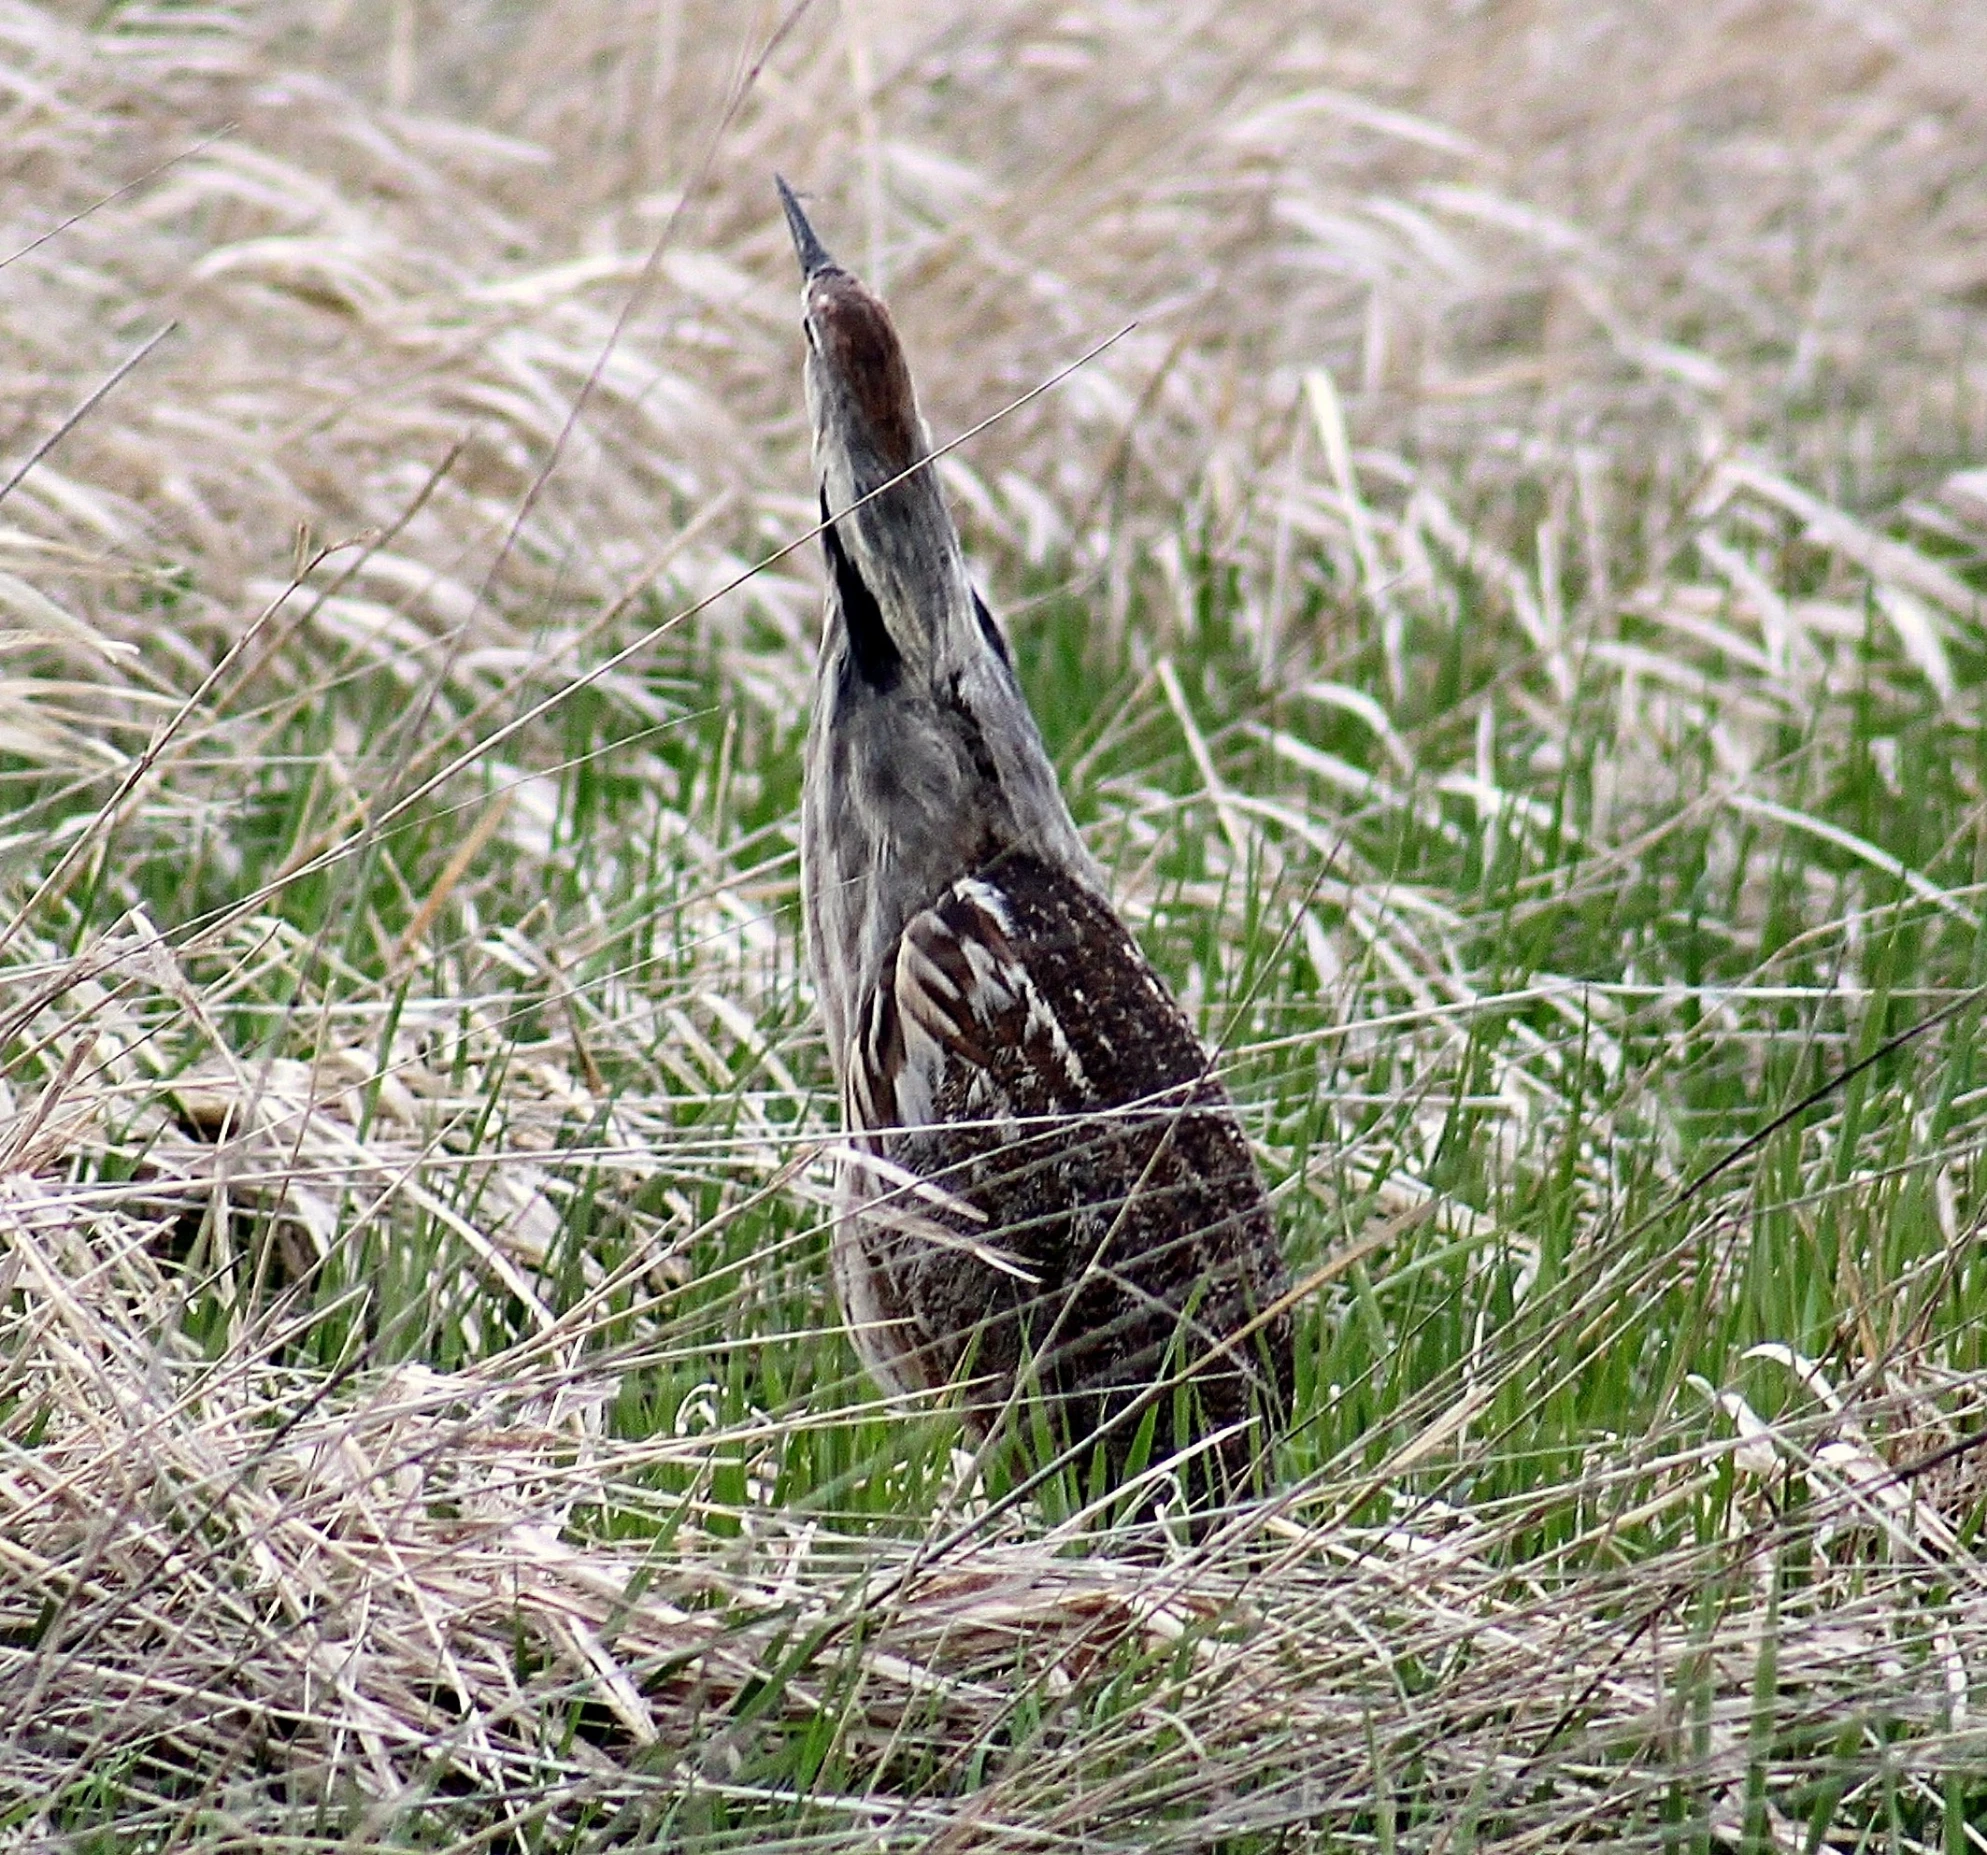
<point x="1508" y="615"/>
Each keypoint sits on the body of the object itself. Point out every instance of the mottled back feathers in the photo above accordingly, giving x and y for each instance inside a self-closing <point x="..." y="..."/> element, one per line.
<point x="1024" y="1058"/>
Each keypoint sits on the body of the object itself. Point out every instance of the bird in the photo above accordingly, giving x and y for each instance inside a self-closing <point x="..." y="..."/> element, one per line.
<point x="1044" y="1200"/>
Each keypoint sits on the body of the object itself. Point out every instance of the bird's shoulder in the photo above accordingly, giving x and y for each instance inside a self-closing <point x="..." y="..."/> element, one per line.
<point x="1019" y="991"/>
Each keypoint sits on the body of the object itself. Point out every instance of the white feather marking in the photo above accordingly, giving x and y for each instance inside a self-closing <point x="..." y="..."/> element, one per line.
<point x="860" y="1110"/>
<point x="996" y="984"/>
<point x="1041" y="1022"/>
<point x="985" y="897"/>
<point x="928" y="1026"/>
<point x="923" y="989"/>
<point x="917" y="1081"/>
<point x="914" y="959"/>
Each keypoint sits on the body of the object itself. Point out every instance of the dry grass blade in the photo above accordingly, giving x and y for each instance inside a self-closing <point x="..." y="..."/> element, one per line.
<point x="1508" y="614"/>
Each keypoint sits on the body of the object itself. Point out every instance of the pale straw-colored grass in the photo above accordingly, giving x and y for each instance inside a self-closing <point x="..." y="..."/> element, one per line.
<point x="420" y="1408"/>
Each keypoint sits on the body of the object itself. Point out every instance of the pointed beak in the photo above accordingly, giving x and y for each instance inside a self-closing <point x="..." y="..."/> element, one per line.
<point x="813" y="255"/>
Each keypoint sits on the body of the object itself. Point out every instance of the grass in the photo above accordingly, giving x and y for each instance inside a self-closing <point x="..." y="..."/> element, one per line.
<point x="1510" y="624"/>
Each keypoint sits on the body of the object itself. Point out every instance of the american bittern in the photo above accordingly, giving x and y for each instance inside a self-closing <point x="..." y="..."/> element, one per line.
<point x="1046" y="1191"/>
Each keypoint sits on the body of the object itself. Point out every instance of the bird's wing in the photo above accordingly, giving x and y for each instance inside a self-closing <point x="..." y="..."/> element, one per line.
<point x="967" y="1000"/>
<point x="1021" y="1057"/>
<point x="1022" y="1054"/>
<point x="1019" y="993"/>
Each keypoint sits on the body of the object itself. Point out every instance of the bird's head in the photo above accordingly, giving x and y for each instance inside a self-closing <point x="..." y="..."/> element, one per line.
<point x="898" y="574"/>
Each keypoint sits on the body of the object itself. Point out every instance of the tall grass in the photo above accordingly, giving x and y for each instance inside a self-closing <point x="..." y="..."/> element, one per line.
<point x="1509" y="618"/>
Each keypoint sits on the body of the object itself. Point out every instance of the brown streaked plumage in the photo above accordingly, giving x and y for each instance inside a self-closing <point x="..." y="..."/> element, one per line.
<point x="1046" y="1192"/>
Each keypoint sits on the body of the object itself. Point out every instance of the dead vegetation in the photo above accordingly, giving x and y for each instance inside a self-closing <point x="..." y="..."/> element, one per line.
<point x="420" y="1410"/>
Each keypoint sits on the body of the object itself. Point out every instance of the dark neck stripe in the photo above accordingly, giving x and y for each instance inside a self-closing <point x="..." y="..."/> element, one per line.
<point x="990" y="631"/>
<point x="872" y="649"/>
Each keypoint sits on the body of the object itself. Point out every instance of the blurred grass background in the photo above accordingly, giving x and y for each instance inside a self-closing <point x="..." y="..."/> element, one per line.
<point x="1508" y="616"/>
